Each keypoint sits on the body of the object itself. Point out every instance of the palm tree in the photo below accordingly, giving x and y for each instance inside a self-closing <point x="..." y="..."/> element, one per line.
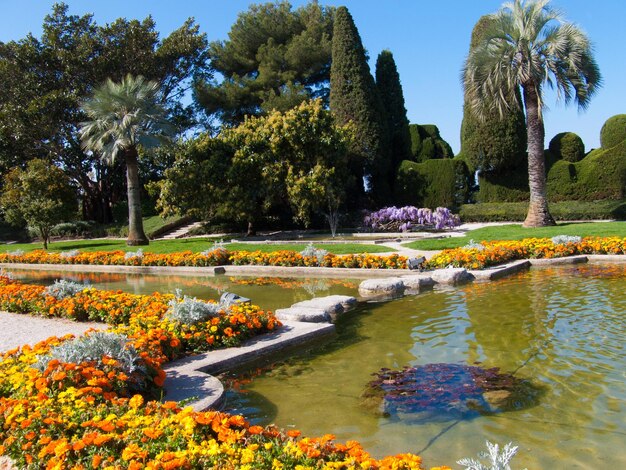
<point x="526" y="45"/>
<point x="124" y="116"/>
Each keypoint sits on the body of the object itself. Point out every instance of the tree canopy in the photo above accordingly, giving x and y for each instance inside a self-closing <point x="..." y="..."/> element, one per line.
<point x="41" y="196"/>
<point x="354" y="98"/>
<point x="43" y="81"/>
<point x="274" y="58"/>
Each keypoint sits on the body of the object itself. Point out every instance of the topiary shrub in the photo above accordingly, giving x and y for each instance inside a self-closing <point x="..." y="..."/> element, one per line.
<point x="503" y="186"/>
<point x="427" y="144"/>
<point x="613" y="131"/>
<point x="600" y="175"/>
<point x="433" y="183"/>
<point x="567" y="146"/>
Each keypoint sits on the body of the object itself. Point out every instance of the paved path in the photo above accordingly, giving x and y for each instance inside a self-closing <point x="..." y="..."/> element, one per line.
<point x="17" y="330"/>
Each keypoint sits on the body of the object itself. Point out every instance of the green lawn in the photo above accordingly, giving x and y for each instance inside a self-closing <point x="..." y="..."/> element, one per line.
<point x="517" y="232"/>
<point x="192" y="244"/>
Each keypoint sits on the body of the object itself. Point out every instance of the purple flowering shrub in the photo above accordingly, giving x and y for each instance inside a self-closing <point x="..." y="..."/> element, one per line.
<point x="403" y="219"/>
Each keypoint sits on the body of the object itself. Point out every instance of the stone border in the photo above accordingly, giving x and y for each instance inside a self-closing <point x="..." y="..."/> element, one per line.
<point x="229" y="270"/>
<point x="190" y="378"/>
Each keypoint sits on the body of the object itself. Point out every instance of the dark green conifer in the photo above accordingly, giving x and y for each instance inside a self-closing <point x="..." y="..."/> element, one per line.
<point x="390" y="92"/>
<point x="353" y="97"/>
<point x="493" y="144"/>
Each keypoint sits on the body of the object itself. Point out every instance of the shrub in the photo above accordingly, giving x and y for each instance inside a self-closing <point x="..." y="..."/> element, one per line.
<point x="613" y="131"/>
<point x="94" y="348"/>
<point x="433" y="183"/>
<point x="567" y="146"/>
<point x="426" y="143"/>
<point x="80" y="228"/>
<point x="565" y="239"/>
<point x="404" y="218"/>
<point x="310" y="251"/>
<point x="504" y="186"/>
<point x="62" y="289"/>
<point x="190" y="310"/>
<point x="564" y="210"/>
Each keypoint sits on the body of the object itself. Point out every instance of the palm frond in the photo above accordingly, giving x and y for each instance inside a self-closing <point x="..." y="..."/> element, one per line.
<point x="122" y="115"/>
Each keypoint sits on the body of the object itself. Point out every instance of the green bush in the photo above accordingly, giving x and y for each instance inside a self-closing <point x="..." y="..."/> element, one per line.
<point x="613" y="131"/>
<point x="567" y="146"/>
<point x="427" y="144"/>
<point x="503" y="186"/>
<point x="564" y="210"/>
<point x="600" y="175"/>
<point x="433" y="183"/>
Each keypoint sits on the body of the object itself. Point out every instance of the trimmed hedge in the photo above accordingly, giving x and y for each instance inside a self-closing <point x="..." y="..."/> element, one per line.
<point x="504" y="186"/>
<point x="427" y="144"/>
<point x="613" y="131"/>
<point x="433" y="183"/>
<point x="565" y="210"/>
<point x="600" y="175"/>
<point x="567" y="146"/>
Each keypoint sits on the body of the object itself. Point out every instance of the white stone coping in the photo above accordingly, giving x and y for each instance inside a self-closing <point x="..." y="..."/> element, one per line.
<point x="189" y="378"/>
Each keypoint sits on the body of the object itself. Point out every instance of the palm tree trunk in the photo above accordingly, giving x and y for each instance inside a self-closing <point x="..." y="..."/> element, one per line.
<point x="538" y="213"/>
<point x="136" y="235"/>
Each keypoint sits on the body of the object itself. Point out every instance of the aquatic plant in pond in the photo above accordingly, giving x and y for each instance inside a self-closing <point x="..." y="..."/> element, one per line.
<point x="405" y="218"/>
<point x="441" y="392"/>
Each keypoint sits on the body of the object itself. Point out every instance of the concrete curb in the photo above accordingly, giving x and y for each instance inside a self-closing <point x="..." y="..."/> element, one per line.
<point x="216" y="270"/>
<point x="189" y="378"/>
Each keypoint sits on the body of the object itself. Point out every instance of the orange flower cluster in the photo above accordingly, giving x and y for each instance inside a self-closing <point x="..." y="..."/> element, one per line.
<point x="217" y="257"/>
<point x="87" y="416"/>
<point x="497" y="252"/>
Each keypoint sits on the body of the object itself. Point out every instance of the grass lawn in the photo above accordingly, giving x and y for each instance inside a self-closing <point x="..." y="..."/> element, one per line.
<point x="517" y="232"/>
<point x="192" y="244"/>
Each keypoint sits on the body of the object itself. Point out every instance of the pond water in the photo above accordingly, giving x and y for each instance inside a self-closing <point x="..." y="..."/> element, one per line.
<point x="559" y="331"/>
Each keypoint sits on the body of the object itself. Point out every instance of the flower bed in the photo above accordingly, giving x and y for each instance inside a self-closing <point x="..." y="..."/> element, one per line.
<point x="217" y="257"/>
<point x="485" y="254"/>
<point x="56" y="414"/>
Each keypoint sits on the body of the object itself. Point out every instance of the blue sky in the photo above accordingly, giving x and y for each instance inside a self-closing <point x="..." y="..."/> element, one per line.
<point x="429" y="41"/>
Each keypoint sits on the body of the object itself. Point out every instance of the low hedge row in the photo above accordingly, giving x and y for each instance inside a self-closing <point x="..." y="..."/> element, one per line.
<point x="565" y="210"/>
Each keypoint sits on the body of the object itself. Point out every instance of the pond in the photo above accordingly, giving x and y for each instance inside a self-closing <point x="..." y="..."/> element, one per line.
<point x="560" y="330"/>
<point x="556" y="331"/>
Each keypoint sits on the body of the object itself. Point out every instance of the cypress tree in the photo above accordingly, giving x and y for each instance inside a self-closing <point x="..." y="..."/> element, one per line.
<point x="392" y="98"/>
<point x="493" y="144"/>
<point x="354" y="98"/>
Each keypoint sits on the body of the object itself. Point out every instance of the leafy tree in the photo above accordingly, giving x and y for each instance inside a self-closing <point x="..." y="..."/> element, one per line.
<point x="526" y="45"/>
<point x="354" y="98"/>
<point x="124" y="116"/>
<point x="41" y="195"/>
<point x="390" y="92"/>
<point x="493" y="143"/>
<point x="295" y="160"/>
<point x="43" y="81"/>
<point x="274" y="58"/>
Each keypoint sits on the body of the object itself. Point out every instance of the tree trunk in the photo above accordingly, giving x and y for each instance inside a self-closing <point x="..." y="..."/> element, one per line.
<point x="136" y="235"/>
<point x="251" y="230"/>
<point x="538" y="213"/>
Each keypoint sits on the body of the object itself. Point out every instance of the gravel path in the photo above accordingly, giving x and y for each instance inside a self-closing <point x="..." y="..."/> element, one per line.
<point x="17" y="330"/>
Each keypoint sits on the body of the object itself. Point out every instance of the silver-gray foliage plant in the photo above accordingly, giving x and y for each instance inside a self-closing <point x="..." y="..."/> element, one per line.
<point x="94" y="347"/>
<point x="310" y="251"/>
<point x="69" y="253"/>
<point x="565" y="239"/>
<point x="17" y="252"/>
<point x="190" y="310"/>
<point x="62" y="289"/>
<point x="472" y="245"/>
<point x="496" y="460"/>
<point x="133" y="254"/>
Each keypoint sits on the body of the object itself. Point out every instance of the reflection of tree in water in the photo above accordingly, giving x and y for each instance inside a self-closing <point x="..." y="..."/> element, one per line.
<point x="557" y="325"/>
